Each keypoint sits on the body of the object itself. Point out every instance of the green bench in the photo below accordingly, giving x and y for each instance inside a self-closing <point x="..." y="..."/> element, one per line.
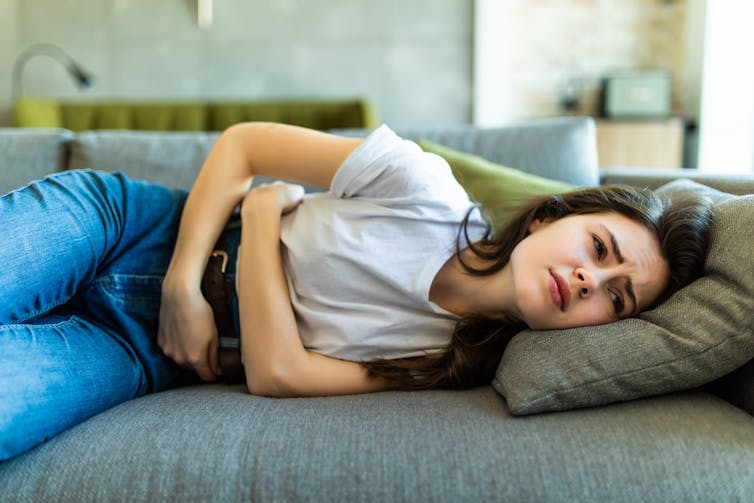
<point x="77" y="116"/>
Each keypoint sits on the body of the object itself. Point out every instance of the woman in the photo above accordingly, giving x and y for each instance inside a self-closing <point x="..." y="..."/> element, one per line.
<point x="390" y="280"/>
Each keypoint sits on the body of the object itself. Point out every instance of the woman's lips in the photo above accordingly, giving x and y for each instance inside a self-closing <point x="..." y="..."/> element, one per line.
<point x="559" y="291"/>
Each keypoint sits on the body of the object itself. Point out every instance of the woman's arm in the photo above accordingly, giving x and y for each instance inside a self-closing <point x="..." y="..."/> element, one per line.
<point x="275" y="360"/>
<point x="186" y="330"/>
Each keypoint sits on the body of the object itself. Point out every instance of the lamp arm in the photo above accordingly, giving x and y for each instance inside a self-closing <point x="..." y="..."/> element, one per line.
<point x="54" y="52"/>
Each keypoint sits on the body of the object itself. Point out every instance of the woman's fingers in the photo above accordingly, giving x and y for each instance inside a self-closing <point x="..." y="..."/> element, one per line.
<point x="289" y="195"/>
<point x="187" y="334"/>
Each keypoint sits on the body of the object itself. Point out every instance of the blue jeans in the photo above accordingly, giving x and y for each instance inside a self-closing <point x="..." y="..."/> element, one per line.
<point x="82" y="260"/>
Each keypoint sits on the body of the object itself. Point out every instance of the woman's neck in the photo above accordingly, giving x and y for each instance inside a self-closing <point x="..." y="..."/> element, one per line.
<point x="464" y="294"/>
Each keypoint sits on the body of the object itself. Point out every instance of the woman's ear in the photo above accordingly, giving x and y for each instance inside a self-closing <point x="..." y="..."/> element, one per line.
<point x="539" y="223"/>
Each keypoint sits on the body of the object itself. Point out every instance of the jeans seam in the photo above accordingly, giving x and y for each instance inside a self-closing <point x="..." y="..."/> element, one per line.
<point x="106" y="281"/>
<point x="70" y="320"/>
<point x="37" y="312"/>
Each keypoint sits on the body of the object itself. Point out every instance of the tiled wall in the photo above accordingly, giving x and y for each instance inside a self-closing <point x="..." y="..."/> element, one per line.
<point x="411" y="58"/>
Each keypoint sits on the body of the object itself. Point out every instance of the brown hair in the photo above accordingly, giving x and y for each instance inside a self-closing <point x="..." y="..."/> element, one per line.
<point x="682" y="227"/>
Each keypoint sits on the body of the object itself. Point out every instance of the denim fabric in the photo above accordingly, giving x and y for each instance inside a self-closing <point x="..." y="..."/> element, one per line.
<point x="83" y="255"/>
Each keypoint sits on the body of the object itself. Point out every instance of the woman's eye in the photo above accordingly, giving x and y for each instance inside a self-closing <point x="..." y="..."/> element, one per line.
<point x="617" y="302"/>
<point x="599" y="247"/>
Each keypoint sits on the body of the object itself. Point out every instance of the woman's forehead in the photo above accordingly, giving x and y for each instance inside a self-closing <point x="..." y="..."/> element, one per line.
<point x="638" y="249"/>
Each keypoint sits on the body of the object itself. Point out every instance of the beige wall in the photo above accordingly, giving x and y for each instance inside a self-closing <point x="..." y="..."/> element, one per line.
<point x="539" y="45"/>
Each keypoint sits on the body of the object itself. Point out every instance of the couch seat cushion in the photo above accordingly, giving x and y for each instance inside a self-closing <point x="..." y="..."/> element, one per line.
<point x="217" y="443"/>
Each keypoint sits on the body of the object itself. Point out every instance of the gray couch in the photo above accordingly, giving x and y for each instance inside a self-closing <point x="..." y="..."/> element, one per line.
<point x="218" y="443"/>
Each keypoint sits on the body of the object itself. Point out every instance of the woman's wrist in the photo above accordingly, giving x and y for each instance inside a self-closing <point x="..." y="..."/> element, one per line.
<point x="260" y="218"/>
<point x="181" y="280"/>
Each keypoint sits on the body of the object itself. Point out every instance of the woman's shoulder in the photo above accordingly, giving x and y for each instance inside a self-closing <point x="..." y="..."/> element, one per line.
<point x="386" y="165"/>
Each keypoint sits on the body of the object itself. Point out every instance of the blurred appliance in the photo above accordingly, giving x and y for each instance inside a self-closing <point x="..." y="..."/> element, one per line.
<point x="636" y="94"/>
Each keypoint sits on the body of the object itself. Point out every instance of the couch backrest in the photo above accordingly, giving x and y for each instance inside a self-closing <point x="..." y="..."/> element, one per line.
<point x="171" y="158"/>
<point x="27" y="155"/>
<point x="563" y="148"/>
<point x="732" y="183"/>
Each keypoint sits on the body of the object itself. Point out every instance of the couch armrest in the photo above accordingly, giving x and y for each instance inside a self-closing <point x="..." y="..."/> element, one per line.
<point x="650" y="177"/>
<point x="737" y="387"/>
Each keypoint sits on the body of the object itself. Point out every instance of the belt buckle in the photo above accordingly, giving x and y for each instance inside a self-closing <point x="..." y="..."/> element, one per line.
<point x="224" y="255"/>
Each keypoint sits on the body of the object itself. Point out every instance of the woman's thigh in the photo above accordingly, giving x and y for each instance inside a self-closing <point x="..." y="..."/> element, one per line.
<point x="56" y="371"/>
<point x="63" y="231"/>
<point x="129" y="305"/>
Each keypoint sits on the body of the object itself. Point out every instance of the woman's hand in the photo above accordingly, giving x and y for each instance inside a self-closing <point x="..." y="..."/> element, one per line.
<point x="187" y="332"/>
<point x="280" y="195"/>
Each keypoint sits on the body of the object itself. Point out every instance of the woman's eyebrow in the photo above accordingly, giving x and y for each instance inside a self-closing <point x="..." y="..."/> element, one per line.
<point x="619" y="256"/>
<point x="614" y="242"/>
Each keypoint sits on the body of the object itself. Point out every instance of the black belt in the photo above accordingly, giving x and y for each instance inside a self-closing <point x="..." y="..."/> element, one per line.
<point x="220" y="290"/>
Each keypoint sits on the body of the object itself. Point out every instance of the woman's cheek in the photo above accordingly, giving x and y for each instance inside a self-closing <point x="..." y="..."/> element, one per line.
<point x="595" y="314"/>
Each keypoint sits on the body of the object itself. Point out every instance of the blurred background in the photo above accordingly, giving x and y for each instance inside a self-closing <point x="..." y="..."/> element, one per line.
<point x="672" y="77"/>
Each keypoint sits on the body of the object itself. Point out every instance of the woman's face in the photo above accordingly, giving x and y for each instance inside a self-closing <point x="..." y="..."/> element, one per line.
<point x="586" y="270"/>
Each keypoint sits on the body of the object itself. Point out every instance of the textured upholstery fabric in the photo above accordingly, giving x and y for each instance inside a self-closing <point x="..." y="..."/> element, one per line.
<point x="563" y="148"/>
<point x="653" y="178"/>
<point x="320" y="114"/>
<point x="701" y="333"/>
<point x="28" y="155"/>
<point x="500" y="189"/>
<point x="316" y="114"/>
<point x="737" y="387"/>
<point x="216" y="443"/>
<point x="83" y="117"/>
<point x="170" y="158"/>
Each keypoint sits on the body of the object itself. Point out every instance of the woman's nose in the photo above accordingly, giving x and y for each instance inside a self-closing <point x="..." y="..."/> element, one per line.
<point x="586" y="281"/>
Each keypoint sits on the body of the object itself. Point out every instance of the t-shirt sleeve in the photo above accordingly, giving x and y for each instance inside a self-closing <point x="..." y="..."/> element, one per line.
<point x="392" y="171"/>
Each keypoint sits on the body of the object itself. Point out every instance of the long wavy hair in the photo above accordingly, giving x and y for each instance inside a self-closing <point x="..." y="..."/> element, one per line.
<point x="682" y="226"/>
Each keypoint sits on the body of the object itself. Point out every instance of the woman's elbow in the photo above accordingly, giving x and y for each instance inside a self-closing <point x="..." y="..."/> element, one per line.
<point x="268" y="382"/>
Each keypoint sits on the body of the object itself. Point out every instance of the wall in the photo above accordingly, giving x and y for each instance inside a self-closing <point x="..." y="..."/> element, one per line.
<point x="696" y="15"/>
<point x="527" y="50"/>
<point x="726" y="134"/>
<point x="411" y="58"/>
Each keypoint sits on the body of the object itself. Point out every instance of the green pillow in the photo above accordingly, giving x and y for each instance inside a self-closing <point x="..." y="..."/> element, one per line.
<point x="501" y="190"/>
<point x="701" y="333"/>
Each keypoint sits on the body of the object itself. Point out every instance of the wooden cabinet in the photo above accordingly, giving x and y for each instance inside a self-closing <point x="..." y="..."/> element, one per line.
<point x="643" y="143"/>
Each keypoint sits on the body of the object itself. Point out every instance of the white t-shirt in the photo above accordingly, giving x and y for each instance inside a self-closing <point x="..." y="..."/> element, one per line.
<point x="360" y="259"/>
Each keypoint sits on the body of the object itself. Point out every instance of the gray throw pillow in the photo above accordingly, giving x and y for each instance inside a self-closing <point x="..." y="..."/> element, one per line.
<point x="701" y="333"/>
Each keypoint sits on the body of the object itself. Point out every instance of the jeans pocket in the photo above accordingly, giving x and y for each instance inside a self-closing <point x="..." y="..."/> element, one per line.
<point x="129" y="304"/>
<point x="133" y="289"/>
